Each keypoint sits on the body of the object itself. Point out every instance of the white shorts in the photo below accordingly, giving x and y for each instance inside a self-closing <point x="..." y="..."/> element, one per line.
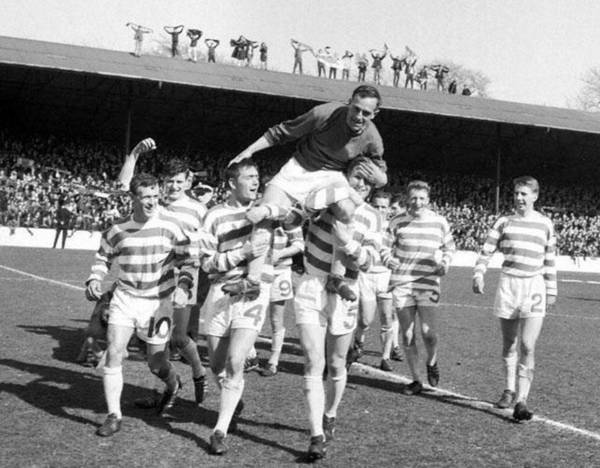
<point x="313" y="305"/>
<point x="221" y="314"/>
<point x="374" y="285"/>
<point x="298" y="183"/>
<point x="406" y="296"/>
<point x="151" y="318"/>
<point x="281" y="289"/>
<point x="518" y="297"/>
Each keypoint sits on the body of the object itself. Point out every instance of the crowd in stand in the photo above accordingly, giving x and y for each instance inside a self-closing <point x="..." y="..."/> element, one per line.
<point x="39" y="176"/>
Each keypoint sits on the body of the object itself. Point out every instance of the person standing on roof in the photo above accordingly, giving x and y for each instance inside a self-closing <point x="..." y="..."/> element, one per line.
<point x="174" y="31"/>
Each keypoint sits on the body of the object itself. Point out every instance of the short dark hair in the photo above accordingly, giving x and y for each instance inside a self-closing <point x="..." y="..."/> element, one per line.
<point x="398" y="198"/>
<point x="233" y="171"/>
<point x="175" y="166"/>
<point x="367" y="91"/>
<point x="143" y="179"/>
<point x="382" y="194"/>
<point x="527" y="181"/>
<point x="418" y="185"/>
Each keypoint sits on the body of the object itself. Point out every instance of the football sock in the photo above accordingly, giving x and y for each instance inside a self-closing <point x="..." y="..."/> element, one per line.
<point x="525" y="376"/>
<point x="395" y="331"/>
<point x="276" y="346"/>
<point x="251" y="353"/>
<point x="231" y="392"/>
<point x="190" y="353"/>
<point x="412" y="358"/>
<point x="335" y="391"/>
<point x="315" y="398"/>
<point x="510" y="370"/>
<point x="112" y="380"/>
<point x="386" y="341"/>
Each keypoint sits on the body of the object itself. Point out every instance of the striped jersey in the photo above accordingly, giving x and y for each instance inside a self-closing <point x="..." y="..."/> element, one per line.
<point x="283" y="239"/>
<point x="362" y="248"/>
<point x="528" y="245"/>
<point x="187" y="213"/>
<point x="226" y="229"/>
<point x="378" y="266"/>
<point x="146" y="254"/>
<point x="417" y="242"/>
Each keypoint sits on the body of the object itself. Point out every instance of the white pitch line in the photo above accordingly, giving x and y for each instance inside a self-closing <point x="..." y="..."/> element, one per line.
<point x="466" y="400"/>
<point x="16" y="278"/>
<point x="578" y="281"/>
<point x="41" y="278"/>
<point x="471" y="401"/>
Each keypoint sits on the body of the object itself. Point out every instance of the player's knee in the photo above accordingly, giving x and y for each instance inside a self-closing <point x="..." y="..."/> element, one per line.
<point x="234" y="365"/>
<point x="180" y="339"/>
<point x="157" y="363"/>
<point x="527" y="348"/>
<point x="408" y="338"/>
<point x="314" y="364"/>
<point x="114" y="355"/>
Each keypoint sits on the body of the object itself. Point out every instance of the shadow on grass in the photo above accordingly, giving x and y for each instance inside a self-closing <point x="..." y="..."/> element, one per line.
<point x="69" y="339"/>
<point x="61" y="392"/>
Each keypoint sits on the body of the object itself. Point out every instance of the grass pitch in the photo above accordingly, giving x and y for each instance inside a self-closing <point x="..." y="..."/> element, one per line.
<point x="52" y="406"/>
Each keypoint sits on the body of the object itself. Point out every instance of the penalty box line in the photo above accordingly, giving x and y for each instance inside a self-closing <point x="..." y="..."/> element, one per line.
<point x="465" y="400"/>
<point x="42" y="278"/>
<point x="368" y="370"/>
<point x="471" y="401"/>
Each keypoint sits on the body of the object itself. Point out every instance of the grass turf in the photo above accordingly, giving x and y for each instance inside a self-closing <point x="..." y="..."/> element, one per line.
<point x="52" y="406"/>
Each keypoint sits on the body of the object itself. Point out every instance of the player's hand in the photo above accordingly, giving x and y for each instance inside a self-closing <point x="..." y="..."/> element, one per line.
<point x="550" y="300"/>
<point x="257" y="213"/>
<point x="393" y="264"/>
<point x="93" y="290"/>
<point x="342" y="232"/>
<point x="147" y="144"/>
<point x="254" y="249"/>
<point x="478" y="284"/>
<point x="443" y="269"/>
<point x="240" y="157"/>
<point x="276" y="256"/>
<point x="180" y="297"/>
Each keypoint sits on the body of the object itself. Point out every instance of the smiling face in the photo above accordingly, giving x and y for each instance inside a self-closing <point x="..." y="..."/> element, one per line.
<point x="245" y="186"/>
<point x="524" y="198"/>
<point x="145" y="203"/>
<point x="418" y="201"/>
<point x="360" y="111"/>
<point x="176" y="185"/>
<point x="381" y="204"/>
<point x="359" y="183"/>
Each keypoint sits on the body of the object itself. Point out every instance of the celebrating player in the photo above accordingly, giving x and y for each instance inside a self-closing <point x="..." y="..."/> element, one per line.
<point x="286" y="244"/>
<point x="418" y="248"/>
<point x="231" y="324"/>
<point x="374" y="295"/>
<point x="325" y="321"/>
<point x="188" y="214"/>
<point x="330" y="135"/>
<point x="527" y="286"/>
<point x="147" y="250"/>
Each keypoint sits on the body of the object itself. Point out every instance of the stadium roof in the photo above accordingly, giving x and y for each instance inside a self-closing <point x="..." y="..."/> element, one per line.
<point x="46" y="55"/>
